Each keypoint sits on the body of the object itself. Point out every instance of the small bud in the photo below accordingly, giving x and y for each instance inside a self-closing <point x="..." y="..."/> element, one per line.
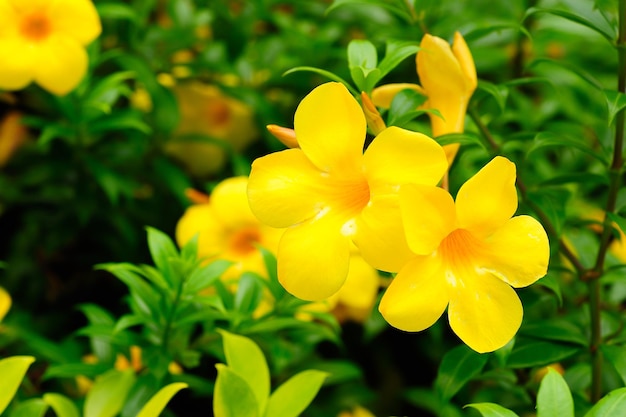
<point x="285" y="135"/>
<point x="196" y="197"/>
<point x="374" y="121"/>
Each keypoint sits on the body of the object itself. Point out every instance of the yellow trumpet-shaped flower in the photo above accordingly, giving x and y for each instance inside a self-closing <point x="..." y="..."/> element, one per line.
<point x="329" y="192"/>
<point x="12" y="135"/>
<point x="227" y="229"/>
<point x="468" y="255"/>
<point x="448" y="77"/>
<point x="44" y="41"/>
<point x="5" y="303"/>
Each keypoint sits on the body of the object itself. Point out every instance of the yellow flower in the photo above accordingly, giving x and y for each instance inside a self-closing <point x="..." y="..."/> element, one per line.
<point x="357" y="411"/>
<point x="329" y="193"/>
<point x="204" y="109"/>
<point x="44" y="41"/>
<point x="227" y="229"/>
<point x="5" y="303"/>
<point x="468" y="254"/>
<point x="448" y="78"/>
<point x="12" y="135"/>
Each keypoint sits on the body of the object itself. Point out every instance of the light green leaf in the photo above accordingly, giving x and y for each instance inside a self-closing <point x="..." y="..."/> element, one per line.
<point x="617" y="356"/>
<point x="611" y="405"/>
<point x="246" y="359"/>
<point x="554" y="397"/>
<point x="616" y="102"/>
<point x="396" y="52"/>
<point x="233" y="397"/>
<point x="116" y="11"/>
<point x="204" y="276"/>
<point x="249" y="292"/>
<point x="157" y="403"/>
<point x="35" y="407"/>
<point x="12" y="370"/>
<point x="295" y="395"/>
<point x="492" y="410"/>
<point x="458" y="366"/>
<point x="326" y="74"/>
<point x="162" y="249"/>
<point x="398" y="11"/>
<point x="62" y="406"/>
<point x="619" y="220"/>
<point x="108" y="393"/>
<point x="362" y="53"/>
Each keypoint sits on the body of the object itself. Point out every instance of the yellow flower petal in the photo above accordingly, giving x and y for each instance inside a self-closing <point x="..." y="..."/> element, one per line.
<point x="230" y="203"/>
<point x="361" y="286"/>
<point x="62" y="64"/>
<point x="417" y="296"/>
<point x="380" y="234"/>
<point x="484" y="312"/>
<point x="398" y="156"/>
<point x="488" y="199"/>
<point x="330" y="127"/>
<point x="200" y="219"/>
<point x="428" y="214"/>
<point x="463" y="55"/>
<point x="313" y="259"/>
<point x="518" y="252"/>
<point x="76" y="18"/>
<point x="383" y="96"/>
<point x="284" y="188"/>
<point x="17" y="63"/>
<point x="5" y="303"/>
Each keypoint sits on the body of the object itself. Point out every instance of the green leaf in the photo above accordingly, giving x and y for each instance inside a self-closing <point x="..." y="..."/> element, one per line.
<point x="12" y="370"/>
<point x="600" y="26"/>
<point x="458" y="366"/>
<point x="481" y="32"/>
<point x="62" y="406"/>
<point x="428" y="400"/>
<point x="529" y="353"/>
<point x="396" y="52"/>
<point x="233" y="397"/>
<point x="246" y="359"/>
<point x="552" y="281"/>
<point x="554" y="397"/>
<point x="142" y="293"/>
<point x="204" y="276"/>
<point x="362" y="53"/>
<point x="465" y="139"/>
<point x="551" y="139"/>
<point x="404" y="107"/>
<point x="326" y="74"/>
<point x="157" y="403"/>
<point x="582" y="74"/>
<point x="492" y="410"/>
<point x="295" y="395"/>
<point x="611" y="405"/>
<point x="402" y="13"/>
<point x="72" y="370"/>
<point x="249" y="292"/>
<point x="162" y="250"/>
<point x="616" y="355"/>
<point x="500" y="93"/>
<point x="34" y="407"/>
<point x="619" y="220"/>
<point x="616" y="102"/>
<point x="559" y="329"/>
<point x="108" y="393"/>
<point x="116" y="11"/>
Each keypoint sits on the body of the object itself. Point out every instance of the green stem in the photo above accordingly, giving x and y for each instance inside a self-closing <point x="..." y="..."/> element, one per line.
<point x="615" y="175"/>
<point x="170" y="318"/>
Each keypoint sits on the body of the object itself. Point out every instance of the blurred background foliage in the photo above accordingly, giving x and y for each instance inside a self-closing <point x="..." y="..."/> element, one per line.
<point x="178" y="96"/>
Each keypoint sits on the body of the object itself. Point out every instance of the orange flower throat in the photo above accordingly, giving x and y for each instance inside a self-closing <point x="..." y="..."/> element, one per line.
<point x="36" y="26"/>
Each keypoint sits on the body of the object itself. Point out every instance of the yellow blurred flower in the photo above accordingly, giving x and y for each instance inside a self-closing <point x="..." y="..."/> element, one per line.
<point x="204" y="109"/>
<point x="328" y="193"/>
<point x="227" y="229"/>
<point x="448" y="77"/>
<point x="468" y="255"/>
<point x="5" y="303"/>
<point x="12" y="135"/>
<point x="44" y="41"/>
<point x="357" y="411"/>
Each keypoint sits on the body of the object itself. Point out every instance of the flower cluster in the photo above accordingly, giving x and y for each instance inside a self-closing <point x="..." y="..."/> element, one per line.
<point x="329" y="194"/>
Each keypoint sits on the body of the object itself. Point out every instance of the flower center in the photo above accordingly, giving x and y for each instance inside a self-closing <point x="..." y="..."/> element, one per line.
<point x="352" y="197"/>
<point x="242" y="241"/>
<point x="36" y="26"/>
<point x="460" y="251"/>
<point x="219" y="113"/>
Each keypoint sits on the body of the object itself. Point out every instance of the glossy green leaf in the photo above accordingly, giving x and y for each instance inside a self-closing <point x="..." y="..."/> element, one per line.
<point x="552" y="281"/>
<point x="465" y="139"/>
<point x="62" y="406"/>
<point x="404" y="107"/>
<point x="233" y="397"/>
<point x="562" y="330"/>
<point x="34" y="407"/>
<point x="157" y="403"/>
<point x="598" y="25"/>
<point x="108" y="393"/>
<point x="551" y="139"/>
<point x="395" y="53"/>
<point x="362" y="53"/>
<point x="204" y="276"/>
<point x="611" y="405"/>
<point x="327" y="74"/>
<point x="616" y="355"/>
<point x="528" y="353"/>
<point x="492" y="410"/>
<point x="144" y="295"/>
<point x="246" y="359"/>
<point x="458" y="366"/>
<point x="554" y="397"/>
<point x="12" y="370"/>
<point x="249" y="292"/>
<point x="295" y="394"/>
<point x="162" y="249"/>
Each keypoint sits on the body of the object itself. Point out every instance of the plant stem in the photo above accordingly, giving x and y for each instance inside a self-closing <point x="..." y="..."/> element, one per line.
<point x="615" y="180"/>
